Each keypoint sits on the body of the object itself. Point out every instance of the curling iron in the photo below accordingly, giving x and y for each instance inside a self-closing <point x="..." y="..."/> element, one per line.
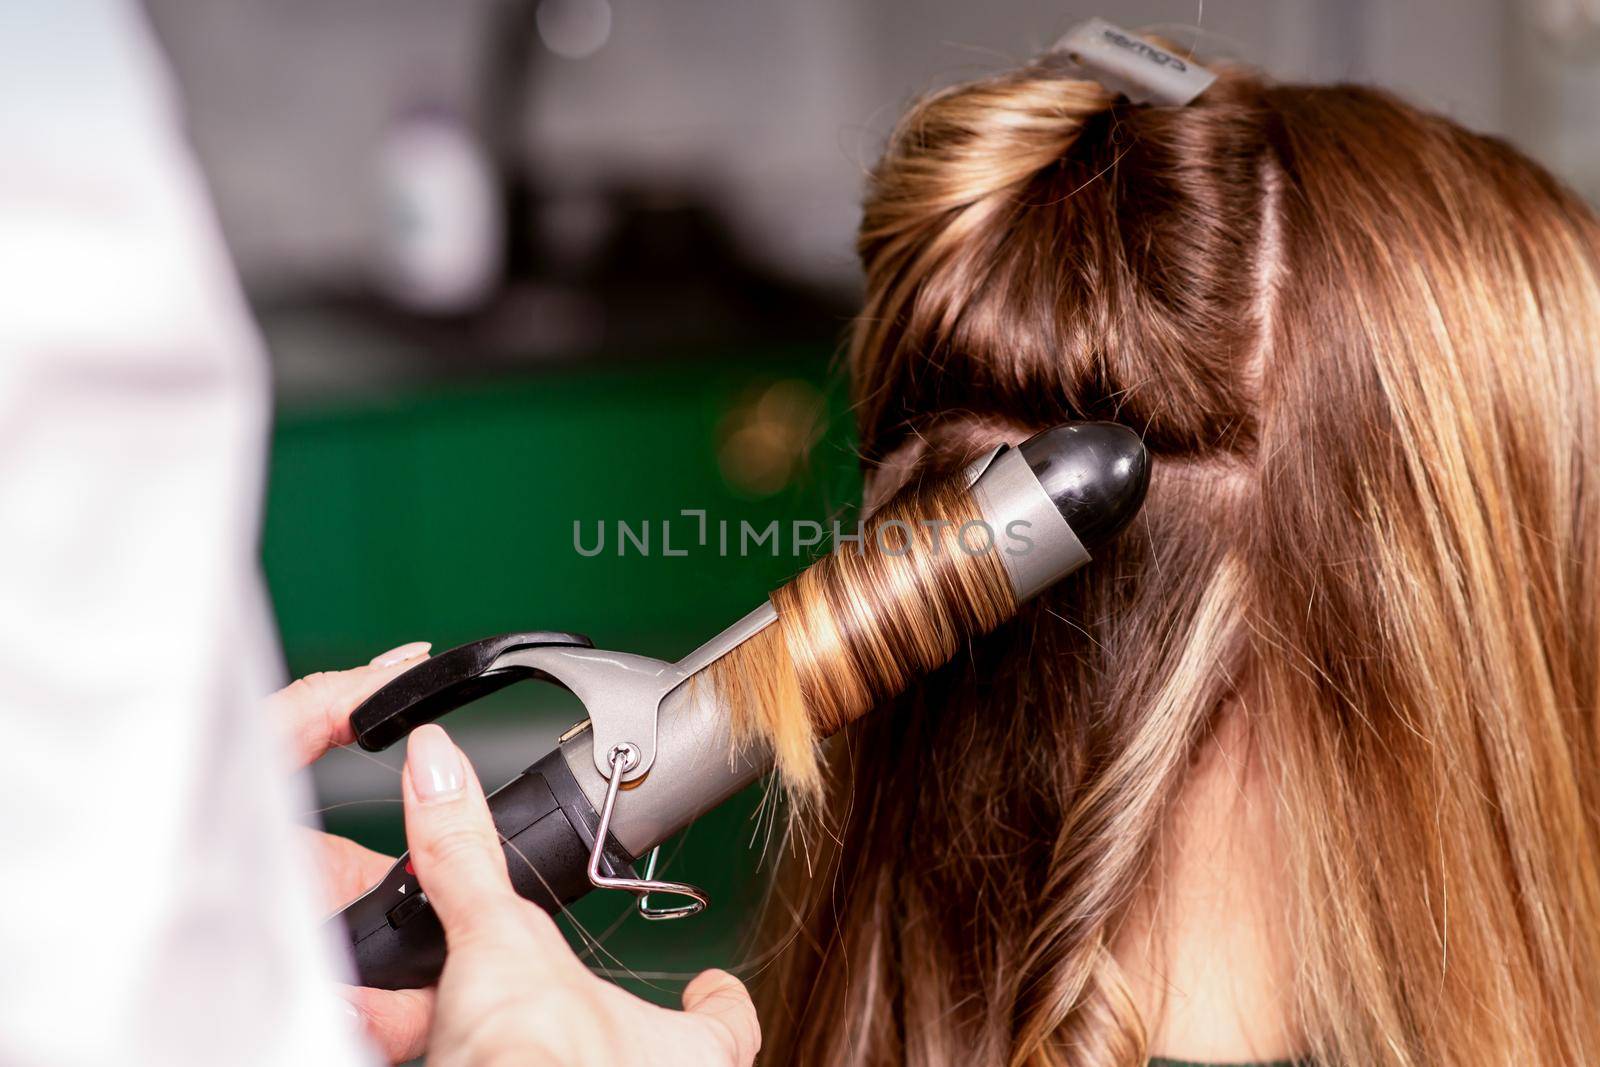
<point x="655" y="752"/>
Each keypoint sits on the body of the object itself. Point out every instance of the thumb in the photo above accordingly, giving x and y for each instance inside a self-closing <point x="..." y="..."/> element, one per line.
<point x="723" y="1002"/>
<point x="455" y="849"/>
<point x="315" y="710"/>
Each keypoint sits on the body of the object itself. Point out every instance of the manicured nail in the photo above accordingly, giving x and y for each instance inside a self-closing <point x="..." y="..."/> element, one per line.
<point x="352" y="1017"/>
<point x="410" y="650"/>
<point x="435" y="764"/>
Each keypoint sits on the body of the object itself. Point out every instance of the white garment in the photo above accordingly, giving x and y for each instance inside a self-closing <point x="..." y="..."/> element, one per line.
<point x="154" y="906"/>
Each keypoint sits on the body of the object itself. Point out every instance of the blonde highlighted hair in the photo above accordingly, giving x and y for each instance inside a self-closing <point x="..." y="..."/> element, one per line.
<point x="1361" y="344"/>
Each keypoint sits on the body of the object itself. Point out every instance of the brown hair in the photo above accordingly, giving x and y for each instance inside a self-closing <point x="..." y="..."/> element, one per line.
<point x="1361" y="344"/>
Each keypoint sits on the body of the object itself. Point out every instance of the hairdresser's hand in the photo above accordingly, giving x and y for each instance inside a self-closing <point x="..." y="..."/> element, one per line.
<point x="315" y="711"/>
<point x="512" y="992"/>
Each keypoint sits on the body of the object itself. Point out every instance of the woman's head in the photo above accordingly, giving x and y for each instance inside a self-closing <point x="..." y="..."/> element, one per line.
<point x="1361" y="344"/>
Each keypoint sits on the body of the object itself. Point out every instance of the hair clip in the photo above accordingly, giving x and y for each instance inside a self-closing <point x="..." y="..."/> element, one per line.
<point x="1128" y="64"/>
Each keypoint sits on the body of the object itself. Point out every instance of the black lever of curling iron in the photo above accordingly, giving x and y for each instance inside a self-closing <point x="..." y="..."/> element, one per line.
<point x="1076" y="486"/>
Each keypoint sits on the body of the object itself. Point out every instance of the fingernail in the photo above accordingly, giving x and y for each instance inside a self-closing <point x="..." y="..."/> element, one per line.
<point x="410" y="650"/>
<point x="435" y="764"/>
<point x="352" y="1017"/>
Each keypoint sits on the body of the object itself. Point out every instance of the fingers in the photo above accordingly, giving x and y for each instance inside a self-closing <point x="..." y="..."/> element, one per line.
<point x="397" y="1020"/>
<point x="316" y="709"/>
<point x="454" y="847"/>
<point x="347" y="869"/>
<point x="723" y="1002"/>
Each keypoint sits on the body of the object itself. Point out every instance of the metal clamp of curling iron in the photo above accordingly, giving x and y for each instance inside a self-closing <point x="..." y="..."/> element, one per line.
<point x="665" y="743"/>
<point x="623" y="694"/>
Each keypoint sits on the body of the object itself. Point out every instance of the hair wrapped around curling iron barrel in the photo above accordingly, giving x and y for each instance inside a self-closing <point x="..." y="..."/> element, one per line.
<point x="856" y="627"/>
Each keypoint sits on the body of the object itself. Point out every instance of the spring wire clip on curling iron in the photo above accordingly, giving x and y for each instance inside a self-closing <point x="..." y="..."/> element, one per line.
<point x="655" y="752"/>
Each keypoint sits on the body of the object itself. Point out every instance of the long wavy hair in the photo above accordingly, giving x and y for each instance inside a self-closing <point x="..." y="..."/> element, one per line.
<point x="1363" y="346"/>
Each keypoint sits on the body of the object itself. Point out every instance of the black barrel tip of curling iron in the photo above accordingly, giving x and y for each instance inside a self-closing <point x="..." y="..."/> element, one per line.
<point x="1095" y="472"/>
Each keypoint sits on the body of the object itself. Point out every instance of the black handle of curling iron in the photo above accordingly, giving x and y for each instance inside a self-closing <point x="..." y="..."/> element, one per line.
<point x="542" y="815"/>
<point x="548" y="827"/>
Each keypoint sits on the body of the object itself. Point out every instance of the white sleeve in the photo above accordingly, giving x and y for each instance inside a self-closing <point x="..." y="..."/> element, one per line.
<point x="154" y="907"/>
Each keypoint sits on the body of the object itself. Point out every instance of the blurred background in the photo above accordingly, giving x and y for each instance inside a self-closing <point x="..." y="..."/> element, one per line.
<point x="521" y="263"/>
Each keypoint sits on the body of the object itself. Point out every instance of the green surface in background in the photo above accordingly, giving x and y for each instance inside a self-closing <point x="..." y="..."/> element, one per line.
<point x="449" y="516"/>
